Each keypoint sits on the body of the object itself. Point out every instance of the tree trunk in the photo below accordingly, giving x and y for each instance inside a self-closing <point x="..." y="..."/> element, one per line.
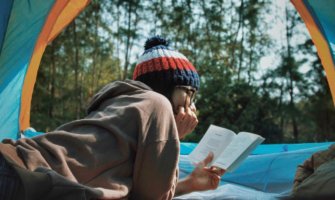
<point x="289" y="61"/>
<point x="126" y="57"/>
<point x="76" y="71"/>
<point x="240" y="24"/>
<point x="241" y="54"/>
<point x="52" y="82"/>
<point x="95" y="48"/>
<point x="251" y="61"/>
<point x="118" y="37"/>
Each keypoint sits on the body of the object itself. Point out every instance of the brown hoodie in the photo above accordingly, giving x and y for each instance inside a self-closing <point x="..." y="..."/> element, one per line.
<point x="315" y="178"/>
<point x="126" y="147"/>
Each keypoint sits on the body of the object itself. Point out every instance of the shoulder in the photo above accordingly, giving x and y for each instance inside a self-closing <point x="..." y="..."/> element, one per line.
<point x="158" y="99"/>
<point x="157" y="119"/>
<point x="155" y="102"/>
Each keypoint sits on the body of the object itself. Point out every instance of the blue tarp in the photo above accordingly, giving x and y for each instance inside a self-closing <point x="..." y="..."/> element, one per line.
<point x="267" y="173"/>
<point x="187" y="147"/>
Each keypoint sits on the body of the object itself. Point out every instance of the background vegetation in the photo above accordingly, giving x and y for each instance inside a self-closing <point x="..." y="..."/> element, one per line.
<point x="284" y="100"/>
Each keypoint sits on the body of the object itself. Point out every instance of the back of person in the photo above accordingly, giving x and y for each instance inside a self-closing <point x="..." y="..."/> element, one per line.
<point x="126" y="147"/>
<point x="315" y="178"/>
<point x="115" y="146"/>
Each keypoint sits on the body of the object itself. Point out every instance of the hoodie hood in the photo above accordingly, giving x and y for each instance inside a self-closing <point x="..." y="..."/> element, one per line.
<point x="113" y="89"/>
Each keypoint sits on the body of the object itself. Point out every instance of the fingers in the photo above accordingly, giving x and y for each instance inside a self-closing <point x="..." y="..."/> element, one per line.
<point x="206" y="178"/>
<point x="180" y="114"/>
<point x="192" y="118"/>
<point x="215" y="181"/>
<point x="181" y="109"/>
<point x="216" y="170"/>
<point x="207" y="160"/>
<point x="213" y="169"/>
<point x="186" y="121"/>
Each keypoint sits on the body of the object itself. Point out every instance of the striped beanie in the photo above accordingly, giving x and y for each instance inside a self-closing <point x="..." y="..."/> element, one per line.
<point x="162" y="68"/>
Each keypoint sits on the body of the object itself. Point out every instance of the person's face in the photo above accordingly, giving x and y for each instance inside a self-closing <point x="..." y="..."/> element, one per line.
<point x="184" y="110"/>
<point x="183" y="96"/>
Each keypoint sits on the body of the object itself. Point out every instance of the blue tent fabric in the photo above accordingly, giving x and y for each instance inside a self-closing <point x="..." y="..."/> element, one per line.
<point x="231" y="192"/>
<point x="30" y="132"/>
<point x="187" y="147"/>
<point x="18" y="37"/>
<point x="267" y="173"/>
<point x="324" y="12"/>
<point x="319" y="19"/>
<point x="5" y="8"/>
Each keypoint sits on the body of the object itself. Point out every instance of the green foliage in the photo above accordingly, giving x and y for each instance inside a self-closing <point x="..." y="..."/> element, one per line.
<point x="224" y="39"/>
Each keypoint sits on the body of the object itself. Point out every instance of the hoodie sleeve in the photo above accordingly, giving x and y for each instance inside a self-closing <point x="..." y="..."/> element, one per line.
<point x="155" y="170"/>
<point x="310" y="165"/>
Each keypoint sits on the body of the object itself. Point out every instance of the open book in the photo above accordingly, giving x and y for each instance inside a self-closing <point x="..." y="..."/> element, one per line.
<point x="229" y="149"/>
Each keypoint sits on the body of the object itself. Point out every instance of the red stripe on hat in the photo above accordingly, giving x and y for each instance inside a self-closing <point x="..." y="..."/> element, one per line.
<point x="165" y="63"/>
<point x="186" y="64"/>
<point x="162" y="63"/>
<point x="150" y="67"/>
<point x="145" y="68"/>
<point x="157" y="64"/>
<point x="171" y="63"/>
<point x="179" y="64"/>
<point x="135" y="73"/>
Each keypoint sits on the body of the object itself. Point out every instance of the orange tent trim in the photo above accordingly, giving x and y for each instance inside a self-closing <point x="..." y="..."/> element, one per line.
<point x="61" y="14"/>
<point x="320" y="43"/>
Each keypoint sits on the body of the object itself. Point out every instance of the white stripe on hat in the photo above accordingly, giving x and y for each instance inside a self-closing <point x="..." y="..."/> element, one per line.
<point x="157" y="53"/>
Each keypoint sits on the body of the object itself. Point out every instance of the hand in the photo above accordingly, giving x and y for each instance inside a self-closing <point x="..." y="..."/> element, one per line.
<point x="206" y="178"/>
<point x="186" y="119"/>
<point x="202" y="178"/>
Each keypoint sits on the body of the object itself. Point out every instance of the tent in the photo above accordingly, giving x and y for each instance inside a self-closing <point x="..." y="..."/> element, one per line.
<point x="26" y="27"/>
<point x="266" y="174"/>
<point x="319" y="19"/>
<point x="269" y="171"/>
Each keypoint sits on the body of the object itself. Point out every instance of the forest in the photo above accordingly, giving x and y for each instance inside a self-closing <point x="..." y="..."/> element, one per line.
<point x="259" y="68"/>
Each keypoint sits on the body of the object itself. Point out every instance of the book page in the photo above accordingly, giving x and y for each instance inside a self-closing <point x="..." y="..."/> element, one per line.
<point x="215" y="140"/>
<point x="245" y="154"/>
<point x="240" y="147"/>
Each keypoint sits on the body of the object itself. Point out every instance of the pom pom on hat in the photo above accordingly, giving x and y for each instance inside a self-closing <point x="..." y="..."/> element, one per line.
<point x="155" y="41"/>
<point x="162" y="68"/>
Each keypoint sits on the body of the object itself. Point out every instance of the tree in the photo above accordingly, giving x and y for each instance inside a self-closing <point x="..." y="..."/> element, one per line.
<point x="224" y="39"/>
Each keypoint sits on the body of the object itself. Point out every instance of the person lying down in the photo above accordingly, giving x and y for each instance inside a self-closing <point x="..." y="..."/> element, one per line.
<point x="126" y="147"/>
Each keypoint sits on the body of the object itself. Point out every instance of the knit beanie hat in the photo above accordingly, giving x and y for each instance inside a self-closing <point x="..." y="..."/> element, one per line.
<point x="162" y="68"/>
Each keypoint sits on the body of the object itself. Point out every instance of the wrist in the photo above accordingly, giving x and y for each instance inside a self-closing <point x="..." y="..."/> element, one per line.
<point x="184" y="186"/>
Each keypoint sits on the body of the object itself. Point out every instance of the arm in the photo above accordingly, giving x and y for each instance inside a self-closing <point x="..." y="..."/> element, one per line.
<point x="310" y="165"/>
<point x="303" y="171"/>
<point x="156" y="174"/>
<point x="155" y="171"/>
<point x="202" y="178"/>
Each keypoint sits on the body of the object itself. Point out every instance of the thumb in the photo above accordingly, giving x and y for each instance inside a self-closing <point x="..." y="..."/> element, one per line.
<point x="207" y="160"/>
